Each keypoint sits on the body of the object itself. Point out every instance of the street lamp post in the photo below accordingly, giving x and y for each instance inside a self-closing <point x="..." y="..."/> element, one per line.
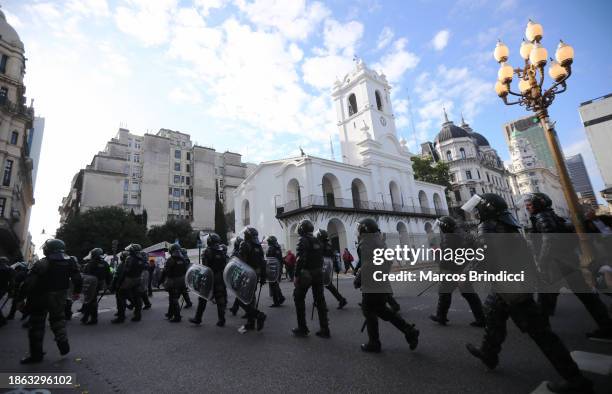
<point x="534" y="97"/>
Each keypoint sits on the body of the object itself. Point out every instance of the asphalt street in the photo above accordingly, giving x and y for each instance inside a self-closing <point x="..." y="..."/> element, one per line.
<point x="155" y="356"/>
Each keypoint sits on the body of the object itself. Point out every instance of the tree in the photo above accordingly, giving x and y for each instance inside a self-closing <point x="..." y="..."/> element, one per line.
<point x="427" y="171"/>
<point x="98" y="227"/>
<point x="220" y="224"/>
<point x="172" y="230"/>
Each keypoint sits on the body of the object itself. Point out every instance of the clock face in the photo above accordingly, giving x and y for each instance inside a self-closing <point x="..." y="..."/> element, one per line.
<point x="383" y="121"/>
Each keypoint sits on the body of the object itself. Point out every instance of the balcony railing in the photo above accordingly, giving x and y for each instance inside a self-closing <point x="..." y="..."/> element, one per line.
<point x="17" y="109"/>
<point x="314" y="201"/>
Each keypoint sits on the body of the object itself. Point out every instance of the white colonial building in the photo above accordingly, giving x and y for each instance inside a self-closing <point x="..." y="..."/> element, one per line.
<point x="375" y="178"/>
<point x="474" y="166"/>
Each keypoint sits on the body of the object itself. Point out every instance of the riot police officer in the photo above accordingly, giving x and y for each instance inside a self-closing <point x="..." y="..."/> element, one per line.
<point x="214" y="257"/>
<point x="45" y="291"/>
<point x="6" y="280"/>
<point x="100" y="270"/>
<point x="452" y="237"/>
<point x="20" y="271"/>
<point x="235" y="252"/>
<point x="173" y="277"/>
<point x="127" y="283"/>
<point x="558" y="263"/>
<point x="274" y="250"/>
<point x="252" y="253"/>
<point x="308" y="273"/>
<point x="374" y="299"/>
<point x="323" y="238"/>
<point x="185" y="293"/>
<point x="506" y="300"/>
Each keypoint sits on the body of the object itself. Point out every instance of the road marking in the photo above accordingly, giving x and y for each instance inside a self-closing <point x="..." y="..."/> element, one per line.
<point x="593" y="362"/>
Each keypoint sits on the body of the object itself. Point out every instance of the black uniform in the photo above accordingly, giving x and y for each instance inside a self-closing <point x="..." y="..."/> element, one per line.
<point x="274" y="250"/>
<point x="252" y="253"/>
<point x="19" y="274"/>
<point x="375" y="305"/>
<point x="329" y="252"/>
<point x="101" y="270"/>
<point x="173" y="277"/>
<point x="127" y="283"/>
<point x="521" y="307"/>
<point x="456" y="240"/>
<point x="45" y="291"/>
<point x="558" y="263"/>
<point x="6" y="280"/>
<point x="308" y="274"/>
<point x="215" y="259"/>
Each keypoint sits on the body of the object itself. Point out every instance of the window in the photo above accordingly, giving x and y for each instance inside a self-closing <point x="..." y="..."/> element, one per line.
<point x="177" y="179"/>
<point x="169" y="191"/>
<point x="125" y="196"/>
<point x="176" y="205"/>
<point x="453" y="177"/>
<point x="2" y="206"/>
<point x="3" y="94"/>
<point x="449" y="156"/>
<point x="187" y="206"/>
<point x="170" y="204"/>
<point x="188" y="180"/>
<point x="3" y="63"/>
<point x="378" y="101"/>
<point x="125" y="184"/>
<point x="177" y="166"/>
<point x="14" y="137"/>
<point x="468" y="174"/>
<point x="221" y="196"/>
<point x="188" y="155"/>
<point x="182" y="205"/>
<point x="129" y="157"/>
<point x="488" y="178"/>
<point x="352" y="104"/>
<point x="483" y="191"/>
<point x="8" y="169"/>
<point x="187" y="168"/>
<point x="177" y="192"/>
<point x="457" y="196"/>
<point x="137" y="145"/>
<point x="187" y="193"/>
<point x="136" y="158"/>
<point x="134" y="196"/>
<point x="472" y="191"/>
<point x="182" y="192"/>
<point x="182" y="179"/>
<point x="478" y="173"/>
<point x="462" y="153"/>
<point x="177" y="154"/>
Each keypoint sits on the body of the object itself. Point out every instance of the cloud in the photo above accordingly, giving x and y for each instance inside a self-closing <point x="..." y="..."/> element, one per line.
<point x="293" y="19"/>
<point x="384" y="38"/>
<point x="97" y="8"/>
<point x="147" y="21"/>
<point x="440" y="40"/>
<point x="397" y="61"/>
<point x="339" y="37"/>
<point x="321" y="72"/>
<point x="185" y="95"/>
<point x="12" y="19"/>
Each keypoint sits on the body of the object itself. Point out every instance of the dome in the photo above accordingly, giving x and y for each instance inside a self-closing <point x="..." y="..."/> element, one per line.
<point x="8" y="34"/>
<point x="480" y="139"/>
<point x="450" y="131"/>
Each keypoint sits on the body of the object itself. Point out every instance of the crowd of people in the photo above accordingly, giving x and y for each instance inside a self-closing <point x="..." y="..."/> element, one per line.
<point x="47" y="289"/>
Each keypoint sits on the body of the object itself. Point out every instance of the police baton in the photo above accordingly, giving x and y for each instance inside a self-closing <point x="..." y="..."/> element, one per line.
<point x="258" y="295"/>
<point x="363" y="326"/>
<point x="312" y="313"/>
<point x="103" y="293"/>
<point x="427" y="288"/>
<point x="5" y="301"/>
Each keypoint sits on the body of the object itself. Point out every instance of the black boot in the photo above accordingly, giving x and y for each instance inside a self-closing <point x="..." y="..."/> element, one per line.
<point x="490" y="360"/>
<point x="476" y="307"/>
<point x="261" y="318"/>
<point x="64" y="347"/>
<point x="32" y="359"/>
<point x="323" y="333"/>
<point x="342" y="303"/>
<point x="300" y="332"/>
<point x="370" y="347"/>
<point x="119" y="319"/>
<point x="579" y="385"/>
<point x="412" y="336"/>
<point x="220" y="315"/>
<point x="137" y="315"/>
<point x="444" y="302"/>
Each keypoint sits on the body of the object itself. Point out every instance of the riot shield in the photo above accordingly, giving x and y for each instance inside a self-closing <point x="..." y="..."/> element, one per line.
<point x="273" y="269"/>
<point x="327" y="270"/>
<point x="240" y="279"/>
<point x="200" y="280"/>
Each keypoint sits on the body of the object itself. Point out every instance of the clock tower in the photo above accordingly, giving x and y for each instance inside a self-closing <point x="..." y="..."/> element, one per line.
<point x="365" y="115"/>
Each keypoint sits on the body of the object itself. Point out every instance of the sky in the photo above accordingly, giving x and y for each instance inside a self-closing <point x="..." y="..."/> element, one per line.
<point x="254" y="76"/>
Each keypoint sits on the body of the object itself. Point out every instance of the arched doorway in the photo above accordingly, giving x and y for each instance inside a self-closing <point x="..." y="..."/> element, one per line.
<point x="423" y="202"/>
<point x="331" y="190"/>
<point x="437" y="203"/>
<point x="359" y="193"/>
<point x="396" y="197"/>
<point x="403" y="233"/>
<point x="246" y="213"/>
<point x="294" y="194"/>
<point x="337" y="235"/>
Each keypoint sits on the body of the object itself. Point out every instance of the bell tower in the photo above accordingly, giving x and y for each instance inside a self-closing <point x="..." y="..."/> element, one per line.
<point x="364" y="113"/>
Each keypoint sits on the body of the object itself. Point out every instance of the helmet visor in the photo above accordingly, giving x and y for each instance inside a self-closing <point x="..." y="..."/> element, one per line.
<point x="472" y="203"/>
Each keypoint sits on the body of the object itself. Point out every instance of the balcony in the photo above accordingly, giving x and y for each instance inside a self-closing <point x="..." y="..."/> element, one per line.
<point x="16" y="109"/>
<point x="314" y="202"/>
